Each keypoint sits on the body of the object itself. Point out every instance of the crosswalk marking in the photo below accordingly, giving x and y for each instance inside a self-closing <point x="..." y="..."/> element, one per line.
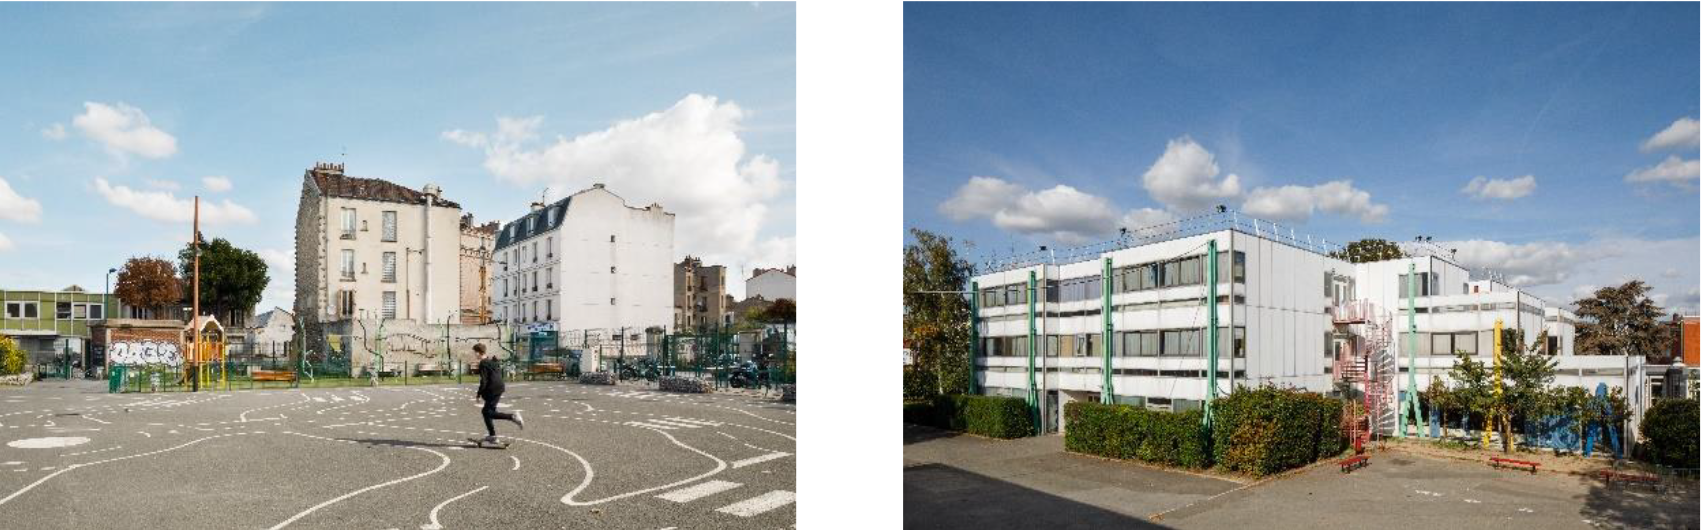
<point x="759" y="504"/>
<point x="759" y="459"/>
<point x="699" y="491"/>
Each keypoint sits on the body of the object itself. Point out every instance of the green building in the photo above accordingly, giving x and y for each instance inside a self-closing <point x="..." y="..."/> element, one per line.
<point x="50" y="324"/>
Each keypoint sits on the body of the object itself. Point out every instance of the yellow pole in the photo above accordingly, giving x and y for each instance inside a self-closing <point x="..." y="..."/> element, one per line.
<point x="1492" y="419"/>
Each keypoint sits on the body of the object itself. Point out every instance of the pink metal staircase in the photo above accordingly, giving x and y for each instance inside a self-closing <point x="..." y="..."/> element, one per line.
<point x="1364" y="361"/>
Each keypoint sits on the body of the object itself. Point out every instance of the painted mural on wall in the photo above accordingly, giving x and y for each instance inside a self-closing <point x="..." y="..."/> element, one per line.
<point x="145" y="352"/>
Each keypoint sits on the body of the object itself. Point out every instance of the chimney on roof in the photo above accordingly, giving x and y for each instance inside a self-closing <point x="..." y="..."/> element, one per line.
<point x="537" y="205"/>
<point x="597" y="185"/>
<point x="327" y="167"/>
<point x="434" y="191"/>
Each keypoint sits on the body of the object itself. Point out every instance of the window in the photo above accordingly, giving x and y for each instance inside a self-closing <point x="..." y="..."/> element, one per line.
<point x="348" y="223"/>
<point x="348" y="264"/>
<point x="611" y="301"/>
<point x="97" y="311"/>
<point x="534" y="281"/>
<point x="549" y="278"/>
<point x="549" y="309"/>
<point x="390" y="267"/>
<point x="504" y="290"/>
<point x="611" y="238"/>
<point x="389" y="310"/>
<point x="1231" y="268"/>
<point x="389" y="226"/>
<point x="534" y="252"/>
<point x="80" y="311"/>
<point x="534" y="312"/>
<point x="63" y="310"/>
<point x="504" y="260"/>
<point x="549" y="245"/>
<point x="611" y="270"/>
<point x="345" y="303"/>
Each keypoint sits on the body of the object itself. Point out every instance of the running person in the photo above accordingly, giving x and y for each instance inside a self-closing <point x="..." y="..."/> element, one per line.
<point x="490" y="390"/>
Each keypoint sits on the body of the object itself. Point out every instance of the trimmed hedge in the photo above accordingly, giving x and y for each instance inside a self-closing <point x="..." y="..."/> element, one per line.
<point x="1671" y="432"/>
<point x="1128" y="432"/>
<point x="918" y="412"/>
<point x="992" y="416"/>
<point x="1269" y="430"/>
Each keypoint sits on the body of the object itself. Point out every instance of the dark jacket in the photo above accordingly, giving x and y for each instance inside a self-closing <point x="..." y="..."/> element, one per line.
<point x="490" y="378"/>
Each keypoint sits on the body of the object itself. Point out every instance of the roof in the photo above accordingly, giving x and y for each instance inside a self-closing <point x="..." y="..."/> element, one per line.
<point x="517" y="231"/>
<point x="333" y="183"/>
<point x="265" y="319"/>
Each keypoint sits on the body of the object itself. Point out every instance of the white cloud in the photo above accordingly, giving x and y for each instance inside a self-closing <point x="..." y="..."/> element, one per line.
<point x="1684" y="133"/>
<point x="216" y="184"/>
<point x="1524" y="265"/>
<point x="1184" y="178"/>
<point x="162" y="184"/>
<point x="124" y="129"/>
<point x="5" y="243"/>
<point x="1138" y="221"/>
<point x="1298" y="203"/>
<point x="1504" y="189"/>
<point x="981" y="197"/>
<point x="1670" y="273"/>
<point x="165" y="206"/>
<point x="1674" y="170"/>
<point x="688" y="157"/>
<point x="280" y="291"/>
<point x="55" y="132"/>
<point x="1061" y="212"/>
<point x="14" y="207"/>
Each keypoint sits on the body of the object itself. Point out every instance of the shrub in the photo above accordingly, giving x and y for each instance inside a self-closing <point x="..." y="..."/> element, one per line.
<point x="12" y="356"/>
<point x="918" y="412"/>
<point x="1128" y="432"/>
<point x="993" y="416"/>
<point x="1268" y="430"/>
<point x="1670" y="430"/>
<point x="919" y="384"/>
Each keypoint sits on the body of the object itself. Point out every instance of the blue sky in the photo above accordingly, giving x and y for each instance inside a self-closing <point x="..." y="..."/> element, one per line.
<point x="115" y="114"/>
<point x="1555" y="143"/>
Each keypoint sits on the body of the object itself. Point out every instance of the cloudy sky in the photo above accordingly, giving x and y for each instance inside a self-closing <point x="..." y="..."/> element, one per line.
<point x="114" y="116"/>
<point x="1554" y="143"/>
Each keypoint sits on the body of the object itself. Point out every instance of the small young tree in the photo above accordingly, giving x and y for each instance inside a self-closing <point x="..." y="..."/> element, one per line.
<point x="12" y="357"/>
<point x="1473" y="389"/>
<point x="1527" y="373"/>
<point x="936" y="318"/>
<point x="1440" y="399"/>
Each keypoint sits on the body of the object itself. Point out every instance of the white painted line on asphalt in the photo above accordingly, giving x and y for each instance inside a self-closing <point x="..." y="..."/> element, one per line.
<point x="720" y="465"/>
<point x="757" y="505"/>
<point x="145" y="433"/>
<point x="316" y="507"/>
<point x="439" y="526"/>
<point x="759" y="459"/>
<point x="649" y="426"/>
<point x="677" y="423"/>
<point x="516" y="462"/>
<point x="699" y="491"/>
<point x="97" y="420"/>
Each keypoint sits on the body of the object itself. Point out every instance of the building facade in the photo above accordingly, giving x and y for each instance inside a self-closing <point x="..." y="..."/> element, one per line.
<point x="1280" y="301"/>
<point x="478" y="243"/>
<point x="48" y="324"/>
<point x="371" y="248"/>
<point x="271" y="333"/>
<point x="772" y="284"/>
<point x="585" y="262"/>
<point x="699" y="295"/>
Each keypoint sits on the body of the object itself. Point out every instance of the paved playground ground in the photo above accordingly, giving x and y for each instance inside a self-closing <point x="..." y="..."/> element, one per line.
<point x="73" y="456"/>
<point x="954" y="481"/>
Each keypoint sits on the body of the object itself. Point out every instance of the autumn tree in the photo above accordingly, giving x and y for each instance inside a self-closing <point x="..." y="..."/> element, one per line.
<point x="149" y="283"/>
<point x="936" y="310"/>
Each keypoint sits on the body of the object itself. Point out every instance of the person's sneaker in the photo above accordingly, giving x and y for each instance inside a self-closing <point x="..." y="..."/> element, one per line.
<point x="490" y="439"/>
<point x="518" y="422"/>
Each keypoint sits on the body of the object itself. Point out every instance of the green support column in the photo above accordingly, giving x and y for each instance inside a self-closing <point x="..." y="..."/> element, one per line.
<point x="1410" y="403"/>
<point x="1211" y="330"/>
<point x="974" y="335"/>
<point x="1033" y="388"/>
<point x="1108" y="394"/>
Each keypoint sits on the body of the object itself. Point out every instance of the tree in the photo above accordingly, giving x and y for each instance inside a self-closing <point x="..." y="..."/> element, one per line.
<point x="782" y="311"/>
<point x="1473" y="387"/>
<point x="148" y="283"/>
<point x="1440" y="398"/>
<point x="1368" y="250"/>
<point x="12" y="357"/>
<point x="936" y="314"/>
<point x="1670" y="429"/>
<point x="1622" y="320"/>
<point x="1527" y="373"/>
<point x="232" y="279"/>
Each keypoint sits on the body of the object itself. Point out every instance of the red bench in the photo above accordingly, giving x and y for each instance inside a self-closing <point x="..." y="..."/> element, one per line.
<point x="1350" y="464"/>
<point x="1646" y="480"/>
<point x="1499" y="462"/>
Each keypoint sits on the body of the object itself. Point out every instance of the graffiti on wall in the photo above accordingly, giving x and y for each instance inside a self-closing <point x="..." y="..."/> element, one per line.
<point x="145" y="352"/>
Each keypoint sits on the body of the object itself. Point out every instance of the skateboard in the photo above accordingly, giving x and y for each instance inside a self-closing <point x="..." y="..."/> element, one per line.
<point x="484" y="444"/>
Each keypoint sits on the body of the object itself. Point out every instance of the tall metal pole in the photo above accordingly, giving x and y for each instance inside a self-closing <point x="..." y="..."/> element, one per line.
<point x="974" y="334"/>
<point x="195" y="317"/>
<point x="1211" y="330"/>
<point x="1033" y="389"/>
<point x="1108" y="393"/>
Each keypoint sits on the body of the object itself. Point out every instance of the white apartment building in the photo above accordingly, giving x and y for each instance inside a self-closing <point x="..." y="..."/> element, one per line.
<point x="772" y="284"/>
<point x="1277" y="295"/>
<point x="586" y="262"/>
<point x="370" y="248"/>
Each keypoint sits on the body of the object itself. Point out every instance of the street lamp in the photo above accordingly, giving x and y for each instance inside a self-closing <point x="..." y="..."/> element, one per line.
<point x="106" y="306"/>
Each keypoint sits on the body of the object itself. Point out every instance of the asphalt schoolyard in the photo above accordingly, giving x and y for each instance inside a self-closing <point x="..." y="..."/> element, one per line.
<point x="74" y="456"/>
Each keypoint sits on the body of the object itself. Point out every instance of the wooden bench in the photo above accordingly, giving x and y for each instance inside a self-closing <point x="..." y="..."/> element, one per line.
<point x="1651" y="481"/>
<point x="433" y="369"/>
<point x="273" y="375"/>
<point x="547" y="368"/>
<point x="1498" y="462"/>
<point x="1350" y="464"/>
